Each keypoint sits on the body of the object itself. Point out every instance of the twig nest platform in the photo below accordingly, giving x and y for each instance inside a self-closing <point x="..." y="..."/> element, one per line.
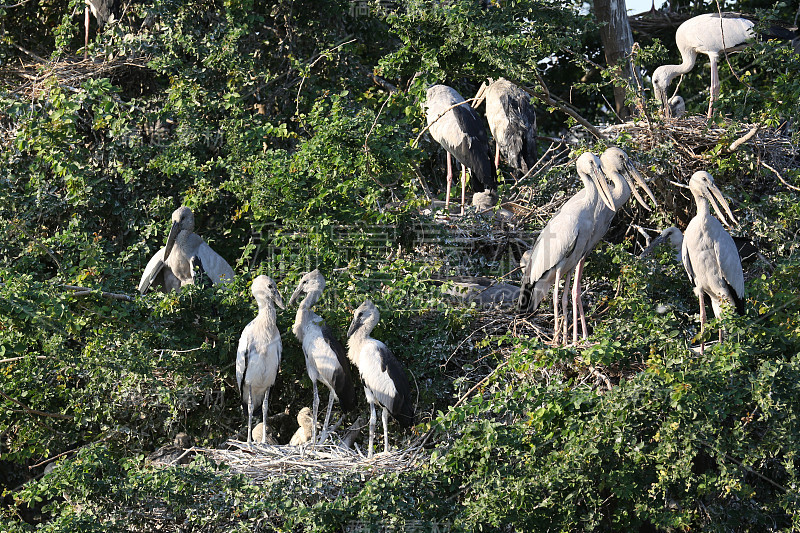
<point x="262" y="462"/>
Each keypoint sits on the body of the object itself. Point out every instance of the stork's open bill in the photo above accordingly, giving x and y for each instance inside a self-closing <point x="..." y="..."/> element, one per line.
<point x="259" y="355"/>
<point x="563" y="241"/>
<point x="171" y="267"/>
<point x="709" y="254"/>
<point x="385" y="382"/>
<point x="326" y="360"/>
<point x="625" y="178"/>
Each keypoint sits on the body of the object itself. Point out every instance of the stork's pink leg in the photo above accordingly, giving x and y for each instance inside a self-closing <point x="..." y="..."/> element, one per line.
<point x="577" y="305"/>
<point x="463" y="187"/>
<point x="702" y="324"/>
<point x="714" y="84"/>
<point x="449" y="183"/>
<point x="565" y="303"/>
<point x="556" y="326"/>
<point x="497" y="156"/>
<point x="86" y="34"/>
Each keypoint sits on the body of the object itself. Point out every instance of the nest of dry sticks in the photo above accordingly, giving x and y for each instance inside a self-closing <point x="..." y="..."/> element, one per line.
<point x="263" y="462"/>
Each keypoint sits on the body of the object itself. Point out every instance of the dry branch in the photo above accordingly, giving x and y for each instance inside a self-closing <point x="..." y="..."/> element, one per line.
<point x="85" y="291"/>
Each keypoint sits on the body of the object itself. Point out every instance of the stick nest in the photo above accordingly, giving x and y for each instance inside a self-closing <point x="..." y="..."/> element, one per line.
<point x="263" y="462"/>
<point x="36" y="79"/>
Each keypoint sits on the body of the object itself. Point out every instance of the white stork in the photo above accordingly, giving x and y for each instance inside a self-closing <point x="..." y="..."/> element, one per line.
<point x="709" y="254"/>
<point x="713" y="34"/>
<point x="385" y="381"/>
<point x="171" y="266"/>
<point x="326" y="360"/>
<point x="624" y="177"/>
<point x="259" y="355"/>
<point x="462" y="134"/>
<point x="512" y="121"/>
<point x="562" y="242"/>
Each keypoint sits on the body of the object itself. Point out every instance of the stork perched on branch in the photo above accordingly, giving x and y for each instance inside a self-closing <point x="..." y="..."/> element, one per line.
<point x="462" y="134"/>
<point x="385" y="381"/>
<point x="512" y="121"/>
<point x="171" y="267"/>
<point x="563" y="241"/>
<point x="712" y="34"/>
<point x="709" y="254"/>
<point x="326" y="360"/>
<point x="259" y="355"/>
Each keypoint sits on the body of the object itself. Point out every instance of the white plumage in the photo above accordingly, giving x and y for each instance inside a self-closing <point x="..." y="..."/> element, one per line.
<point x="563" y="241"/>
<point x="512" y="121"/>
<point x="171" y="268"/>
<point x="259" y="355"/>
<point x="326" y="360"/>
<point x="624" y="177"/>
<point x="709" y="254"/>
<point x="385" y="381"/>
<point x="462" y="134"/>
<point x="711" y="34"/>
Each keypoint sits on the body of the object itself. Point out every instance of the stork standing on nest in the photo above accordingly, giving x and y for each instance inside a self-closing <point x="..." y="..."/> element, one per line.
<point x="709" y="254"/>
<point x="385" y="382"/>
<point x="259" y="355"/>
<point x="712" y="34"/>
<point x="512" y="121"/>
<point x="326" y="360"/>
<point x="171" y="267"/>
<point x="462" y="134"/>
<point x="625" y="178"/>
<point x="562" y="242"/>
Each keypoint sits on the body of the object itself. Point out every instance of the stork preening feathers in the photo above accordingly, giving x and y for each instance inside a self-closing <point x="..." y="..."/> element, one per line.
<point x="259" y="355"/>
<point x="709" y="254"/>
<point x="385" y="382"/>
<point x="713" y="34"/>
<point x="326" y="360"/>
<point x="462" y="134"/>
<point x="171" y="267"/>
<point x="564" y="240"/>
<point x="512" y="121"/>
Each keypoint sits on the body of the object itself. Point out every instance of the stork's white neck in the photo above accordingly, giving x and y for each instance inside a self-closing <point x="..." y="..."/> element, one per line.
<point x="621" y="191"/>
<point x="688" y="59"/>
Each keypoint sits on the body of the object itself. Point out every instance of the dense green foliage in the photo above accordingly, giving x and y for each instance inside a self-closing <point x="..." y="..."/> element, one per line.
<point x="265" y="119"/>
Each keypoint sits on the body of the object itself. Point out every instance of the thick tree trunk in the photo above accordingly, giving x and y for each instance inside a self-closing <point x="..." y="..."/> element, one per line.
<point x="617" y="43"/>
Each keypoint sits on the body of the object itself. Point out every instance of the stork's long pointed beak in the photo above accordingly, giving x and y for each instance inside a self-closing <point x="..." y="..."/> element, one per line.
<point x="662" y="97"/>
<point x="173" y="234"/>
<point x="717" y="194"/>
<point x="354" y="325"/>
<point x="639" y="180"/>
<point x="480" y="96"/>
<point x="294" y="296"/>
<point x="602" y="187"/>
<point x="278" y="300"/>
<point x="653" y="244"/>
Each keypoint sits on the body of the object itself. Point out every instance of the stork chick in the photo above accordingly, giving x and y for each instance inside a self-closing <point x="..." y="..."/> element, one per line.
<point x="385" y="381"/>
<point x="259" y="355"/>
